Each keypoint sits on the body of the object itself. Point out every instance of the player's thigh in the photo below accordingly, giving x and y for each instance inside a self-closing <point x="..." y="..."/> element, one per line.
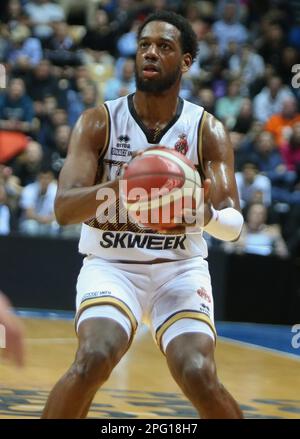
<point x="184" y="304"/>
<point x="105" y="292"/>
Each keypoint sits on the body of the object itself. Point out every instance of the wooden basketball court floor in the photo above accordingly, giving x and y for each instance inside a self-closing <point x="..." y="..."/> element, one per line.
<point x="266" y="383"/>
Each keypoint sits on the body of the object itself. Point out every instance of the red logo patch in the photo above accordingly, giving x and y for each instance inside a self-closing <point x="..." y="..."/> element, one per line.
<point x="182" y="144"/>
<point x="204" y="294"/>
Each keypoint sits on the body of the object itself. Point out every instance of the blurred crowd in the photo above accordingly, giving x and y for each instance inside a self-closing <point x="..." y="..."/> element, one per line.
<point x="62" y="57"/>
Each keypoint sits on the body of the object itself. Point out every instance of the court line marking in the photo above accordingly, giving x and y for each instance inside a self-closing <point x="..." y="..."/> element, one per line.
<point x="260" y="348"/>
<point x="69" y="315"/>
<point x="51" y="340"/>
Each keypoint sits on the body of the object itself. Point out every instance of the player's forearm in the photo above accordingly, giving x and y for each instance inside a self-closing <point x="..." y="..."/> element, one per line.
<point x="76" y="205"/>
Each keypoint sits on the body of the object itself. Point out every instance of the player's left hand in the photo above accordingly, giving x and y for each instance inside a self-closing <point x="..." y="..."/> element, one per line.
<point x="14" y="332"/>
<point x="189" y="217"/>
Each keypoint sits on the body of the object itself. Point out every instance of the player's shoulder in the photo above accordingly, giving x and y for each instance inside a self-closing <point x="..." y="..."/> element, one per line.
<point x="212" y="123"/>
<point x="191" y="106"/>
<point x="94" y="113"/>
<point x="118" y="102"/>
<point x="93" y="120"/>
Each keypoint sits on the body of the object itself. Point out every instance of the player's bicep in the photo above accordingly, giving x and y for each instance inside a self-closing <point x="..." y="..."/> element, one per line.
<point x="81" y="164"/>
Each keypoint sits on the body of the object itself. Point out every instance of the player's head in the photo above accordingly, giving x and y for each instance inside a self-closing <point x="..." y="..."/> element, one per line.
<point x="167" y="46"/>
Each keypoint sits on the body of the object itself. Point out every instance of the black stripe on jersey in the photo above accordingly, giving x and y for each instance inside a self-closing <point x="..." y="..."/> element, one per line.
<point x="200" y="146"/>
<point x="108" y="133"/>
<point x="154" y="136"/>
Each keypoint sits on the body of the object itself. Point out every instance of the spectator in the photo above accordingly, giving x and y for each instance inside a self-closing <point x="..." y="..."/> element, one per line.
<point x="37" y="202"/>
<point x="25" y="51"/>
<point x="281" y="123"/>
<point x="55" y="159"/>
<point x="272" y="45"/>
<point x="228" y="28"/>
<point x="291" y="152"/>
<point x="290" y="57"/>
<point x="42" y="15"/>
<point x="102" y="37"/>
<point x="78" y="101"/>
<point x="244" y="119"/>
<point x="127" y="43"/>
<point x="40" y="82"/>
<point x="271" y="165"/>
<point x="12" y="190"/>
<point x="28" y="164"/>
<point x="257" y="237"/>
<point x="267" y="155"/>
<point x="14" y="14"/>
<point x="228" y="107"/>
<point x="269" y="101"/>
<point x="4" y="211"/>
<point x="16" y="108"/>
<point x="204" y="97"/>
<point x="247" y="66"/>
<point x="252" y="186"/>
<point x="61" y="49"/>
<point x="117" y="87"/>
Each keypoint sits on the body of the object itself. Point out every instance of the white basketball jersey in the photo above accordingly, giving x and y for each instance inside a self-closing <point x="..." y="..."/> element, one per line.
<point x="126" y="133"/>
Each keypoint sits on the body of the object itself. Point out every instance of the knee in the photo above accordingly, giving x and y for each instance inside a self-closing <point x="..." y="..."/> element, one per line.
<point x="93" y="366"/>
<point x="198" y="376"/>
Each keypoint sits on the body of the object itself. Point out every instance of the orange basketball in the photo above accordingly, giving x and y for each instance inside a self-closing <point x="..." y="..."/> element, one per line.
<point x="157" y="185"/>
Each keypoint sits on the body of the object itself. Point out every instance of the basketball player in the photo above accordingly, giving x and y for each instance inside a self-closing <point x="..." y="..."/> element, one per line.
<point x="130" y="275"/>
<point x="13" y="332"/>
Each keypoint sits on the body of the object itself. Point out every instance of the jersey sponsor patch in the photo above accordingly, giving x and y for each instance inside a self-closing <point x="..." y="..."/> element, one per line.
<point x="151" y="242"/>
<point x="122" y="147"/>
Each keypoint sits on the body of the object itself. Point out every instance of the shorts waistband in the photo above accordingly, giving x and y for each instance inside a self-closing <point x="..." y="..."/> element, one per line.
<point x="152" y="261"/>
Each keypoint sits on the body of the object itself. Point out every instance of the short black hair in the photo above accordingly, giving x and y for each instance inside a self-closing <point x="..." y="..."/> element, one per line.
<point x="188" y="38"/>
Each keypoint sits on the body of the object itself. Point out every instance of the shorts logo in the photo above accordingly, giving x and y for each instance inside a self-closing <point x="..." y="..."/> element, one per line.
<point x="122" y="148"/>
<point x="182" y="144"/>
<point x="204" y="309"/>
<point x="95" y="294"/>
<point x="203" y="294"/>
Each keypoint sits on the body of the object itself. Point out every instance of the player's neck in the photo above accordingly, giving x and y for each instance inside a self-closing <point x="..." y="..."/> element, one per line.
<point x="154" y="109"/>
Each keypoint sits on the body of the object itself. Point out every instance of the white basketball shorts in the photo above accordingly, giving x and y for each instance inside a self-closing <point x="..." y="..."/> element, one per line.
<point x="170" y="297"/>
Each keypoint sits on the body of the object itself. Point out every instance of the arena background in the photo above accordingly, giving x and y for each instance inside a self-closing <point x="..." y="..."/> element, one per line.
<point x="60" y="58"/>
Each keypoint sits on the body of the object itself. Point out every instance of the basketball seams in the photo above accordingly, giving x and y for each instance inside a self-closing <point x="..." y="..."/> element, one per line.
<point x="191" y="187"/>
<point x="187" y="170"/>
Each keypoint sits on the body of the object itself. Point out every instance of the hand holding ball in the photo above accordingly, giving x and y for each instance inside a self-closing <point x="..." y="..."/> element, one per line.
<point x="157" y="185"/>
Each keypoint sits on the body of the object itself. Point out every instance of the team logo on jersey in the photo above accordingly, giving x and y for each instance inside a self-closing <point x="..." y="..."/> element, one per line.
<point x="122" y="148"/>
<point x="182" y="144"/>
<point x="204" y="294"/>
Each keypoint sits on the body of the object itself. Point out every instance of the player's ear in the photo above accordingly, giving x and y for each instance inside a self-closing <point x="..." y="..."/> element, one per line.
<point x="186" y="62"/>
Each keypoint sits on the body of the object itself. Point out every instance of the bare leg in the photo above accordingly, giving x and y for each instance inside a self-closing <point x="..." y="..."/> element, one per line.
<point x="102" y="343"/>
<point x="191" y="361"/>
